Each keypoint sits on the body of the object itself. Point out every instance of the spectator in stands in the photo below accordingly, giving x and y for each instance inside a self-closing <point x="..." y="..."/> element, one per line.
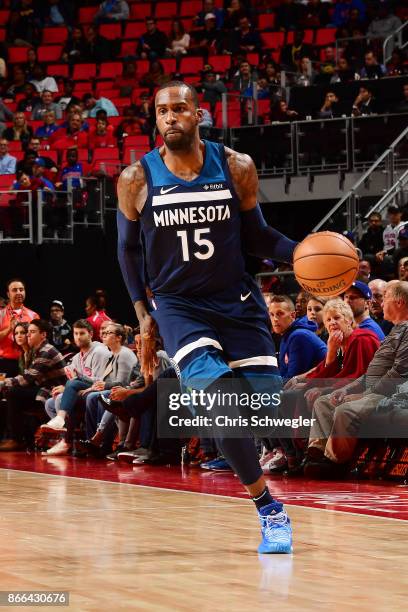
<point x="329" y="109"/>
<point x="112" y="11"/>
<point x="401" y="268"/>
<point x="35" y="147"/>
<point x="74" y="48"/>
<point x="340" y="414"/>
<point x="344" y="72"/>
<point x="246" y="39"/>
<point x="7" y="162"/>
<point x="358" y="297"/>
<point x="327" y="65"/>
<point x="20" y="336"/>
<point x="300" y="348"/>
<point x="126" y="81"/>
<point x="61" y="331"/>
<point x="364" y="271"/>
<point x="404" y="276"/>
<point x="402" y="106"/>
<point x="179" y="39"/>
<point x="3" y="66"/>
<point x="102" y="135"/>
<point x="402" y="247"/>
<point x="153" y="43"/>
<point x="41" y="81"/>
<point x="15" y="312"/>
<point x="207" y="41"/>
<point x="315" y="14"/>
<point x="5" y="115"/>
<point x="93" y="105"/>
<point x="372" y="240"/>
<point x="57" y="13"/>
<point x="281" y="112"/>
<point x="365" y="103"/>
<point x="305" y="74"/>
<point x="155" y="77"/>
<point x="342" y="11"/>
<point x="95" y="317"/>
<point x="71" y="136"/>
<point x="301" y="301"/>
<point x="97" y="48"/>
<point x="86" y="367"/>
<point x="291" y="53"/>
<point x="244" y="79"/>
<point x="66" y="97"/>
<point x="30" y="100"/>
<point x="32" y="61"/>
<point x="211" y="87"/>
<point x="39" y="173"/>
<point x="209" y="7"/>
<point x="314" y="312"/>
<point x="73" y="172"/>
<point x="47" y="104"/>
<point x="287" y="15"/>
<point x="18" y="81"/>
<point x="233" y="14"/>
<point x="397" y="66"/>
<point x="377" y="288"/>
<point x="272" y="73"/>
<point x="50" y="126"/>
<point x="372" y="69"/>
<point x="33" y="385"/>
<point x="22" y="28"/>
<point x="384" y="22"/>
<point x="391" y="231"/>
<point x="19" y="131"/>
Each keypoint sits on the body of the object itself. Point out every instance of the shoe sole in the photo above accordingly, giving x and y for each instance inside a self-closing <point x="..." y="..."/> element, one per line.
<point x="47" y="429"/>
<point x="278" y="549"/>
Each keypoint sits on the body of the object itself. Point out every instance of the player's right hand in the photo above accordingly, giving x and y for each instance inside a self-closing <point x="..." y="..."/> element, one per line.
<point x="149" y="360"/>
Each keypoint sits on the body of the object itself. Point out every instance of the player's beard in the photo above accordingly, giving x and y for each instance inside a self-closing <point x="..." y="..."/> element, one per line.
<point x="182" y="142"/>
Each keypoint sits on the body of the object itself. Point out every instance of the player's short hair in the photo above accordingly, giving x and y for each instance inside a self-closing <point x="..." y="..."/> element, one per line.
<point x="283" y="299"/>
<point x="83" y="324"/>
<point x="192" y="89"/>
<point x="340" y="306"/>
<point x="42" y="325"/>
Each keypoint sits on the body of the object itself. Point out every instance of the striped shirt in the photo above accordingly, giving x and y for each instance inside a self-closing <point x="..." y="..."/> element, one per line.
<point x="45" y="371"/>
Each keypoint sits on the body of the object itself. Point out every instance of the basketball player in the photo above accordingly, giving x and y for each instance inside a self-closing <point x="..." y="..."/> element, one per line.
<point x="195" y="205"/>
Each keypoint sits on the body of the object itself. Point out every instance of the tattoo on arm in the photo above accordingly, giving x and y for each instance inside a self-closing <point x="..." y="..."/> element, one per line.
<point x="132" y="191"/>
<point x="244" y="177"/>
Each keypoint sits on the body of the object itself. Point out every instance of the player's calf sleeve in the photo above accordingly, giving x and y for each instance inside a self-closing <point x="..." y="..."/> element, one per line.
<point x="242" y="456"/>
<point x="261" y="240"/>
<point x="130" y="256"/>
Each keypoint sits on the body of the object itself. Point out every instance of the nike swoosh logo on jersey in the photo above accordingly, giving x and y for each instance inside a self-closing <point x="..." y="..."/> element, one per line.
<point x="163" y="191"/>
<point x="244" y="297"/>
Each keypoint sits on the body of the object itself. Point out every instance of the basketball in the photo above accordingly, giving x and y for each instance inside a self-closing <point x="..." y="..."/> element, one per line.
<point x="325" y="263"/>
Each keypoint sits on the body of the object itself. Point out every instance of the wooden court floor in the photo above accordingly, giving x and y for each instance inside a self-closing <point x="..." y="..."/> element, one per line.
<point x="124" y="547"/>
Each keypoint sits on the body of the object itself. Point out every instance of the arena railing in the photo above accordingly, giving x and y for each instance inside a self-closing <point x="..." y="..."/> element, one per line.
<point x="16" y="216"/>
<point x="55" y="217"/>
<point x="354" y="206"/>
<point x="396" y="39"/>
<point x="395" y="195"/>
<point x="375" y="43"/>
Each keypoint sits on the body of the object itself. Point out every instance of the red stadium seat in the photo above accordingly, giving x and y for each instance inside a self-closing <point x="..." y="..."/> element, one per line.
<point x="190" y="9"/>
<point x="106" y="153"/>
<point x="165" y="10"/>
<point x="58" y="70"/>
<point x="6" y="180"/>
<point x="132" y="154"/>
<point x="86" y="14"/>
<point x="17" y="55"/>
<point x="50" y="53"/>
<point x="220" y="63"/>
<point x="165" y="25"/>
<point x="81" y="88"/>
<point x="140" y="10"/>
<point x="106" y="93"/>
<point x="4" y="17"/>
<point x="134" y="29"/>
<point x="115" y="121"/>
<point x="273" y="40"/>
<point x="110" y="167"/>
<point x="253" y="58"/>
<point x="84" y="72"/>
<point x="83" y="155"/>
<point x="191" y="65"/>
<point x="137" y="141"/>
<point x="110" y="70"/>
<point x="111" y="31"/>
<point x="266" y="21"/>
<point x="53" y="36"/>
<point x="308" y="39"/>
<point x="169" y="65"/>
<point x="49" y="153"/>
<point x="128" y="48"/>
<point x="15" y="145"/>
<point x="142" y="66"/>
<point x="325" y="36"/>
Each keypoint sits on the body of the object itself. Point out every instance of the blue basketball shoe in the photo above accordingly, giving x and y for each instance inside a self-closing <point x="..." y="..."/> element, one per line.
<point x="276" y="529"/>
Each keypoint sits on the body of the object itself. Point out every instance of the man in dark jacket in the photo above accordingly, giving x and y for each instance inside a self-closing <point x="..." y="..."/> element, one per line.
<point x="300" y="348"/>
<point x="153" y="43"/>
<point x="372" y="240"/>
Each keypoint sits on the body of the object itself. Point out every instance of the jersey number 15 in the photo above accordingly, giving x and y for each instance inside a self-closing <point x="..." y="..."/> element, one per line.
<point x="201" y="242"/>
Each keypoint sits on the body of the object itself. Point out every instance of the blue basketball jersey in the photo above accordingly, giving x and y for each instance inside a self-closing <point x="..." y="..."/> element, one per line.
<point x="191" y="229"/>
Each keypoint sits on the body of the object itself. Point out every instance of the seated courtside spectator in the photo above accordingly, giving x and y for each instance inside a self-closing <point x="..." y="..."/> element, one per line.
<point x="61" y="331"/>
<point x="30" y="390"/>
<point x="377" y="288"/>
<point x="47" y="104"/>
<point x="358" y="297"/>
<point x="20" y="130"/>
<point x="372" y="69"/>
<point x="365" y="103"/>
<point x="95" y="317"/>
<point x="344" y="73"/>
<point x="7" y="162"/>
<point x="300" y="348"/>
<point x="329" y="109"/>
